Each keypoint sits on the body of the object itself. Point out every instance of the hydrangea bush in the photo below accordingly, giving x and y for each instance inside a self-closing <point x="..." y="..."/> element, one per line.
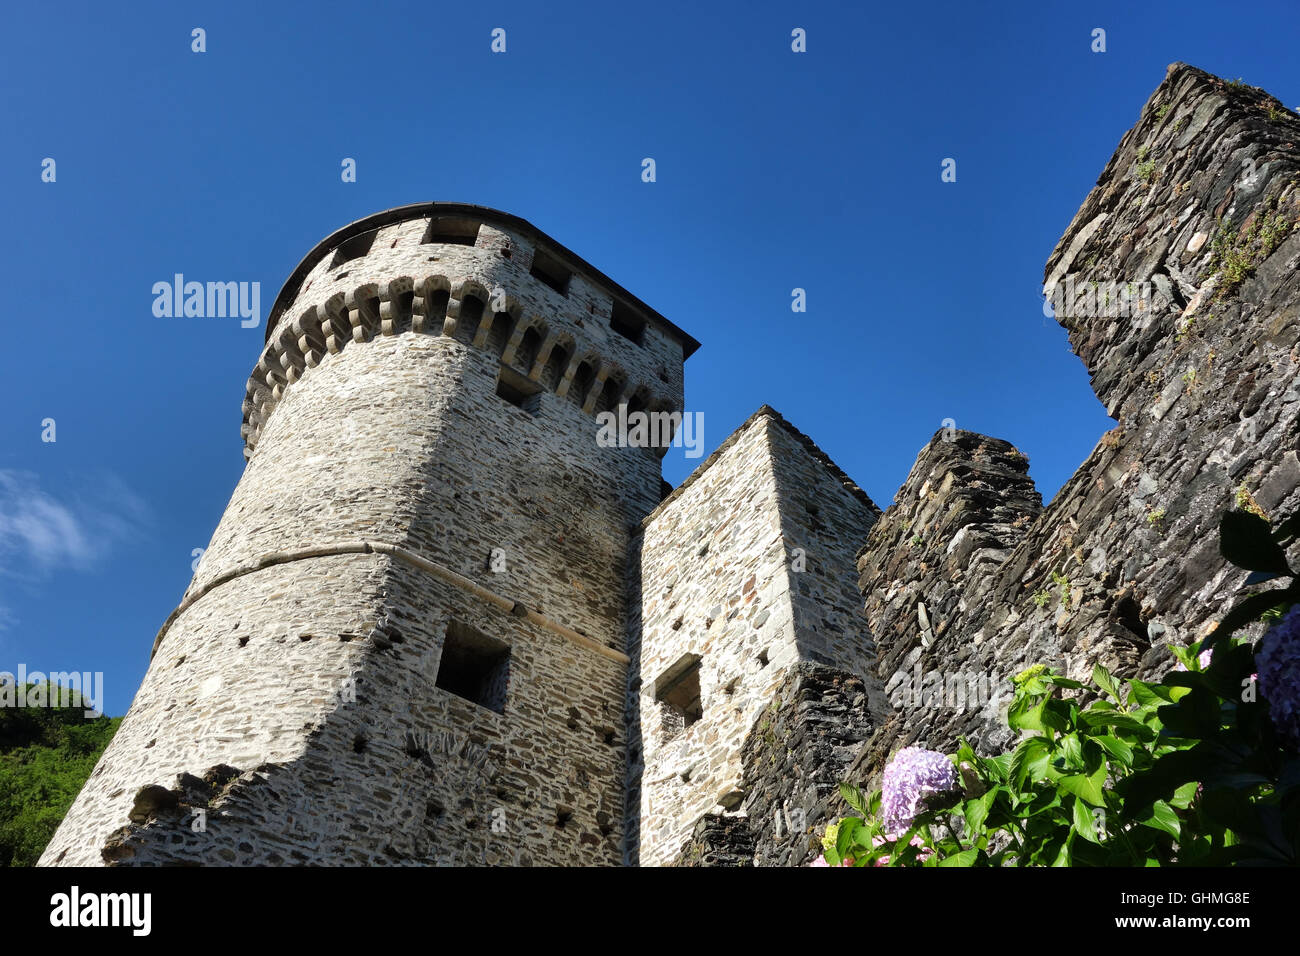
<point x="1201" y="768"/>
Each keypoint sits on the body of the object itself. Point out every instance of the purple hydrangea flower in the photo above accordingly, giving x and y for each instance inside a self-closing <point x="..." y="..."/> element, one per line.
<point x="1278" y="660"/>
<point x="911" y="775"/>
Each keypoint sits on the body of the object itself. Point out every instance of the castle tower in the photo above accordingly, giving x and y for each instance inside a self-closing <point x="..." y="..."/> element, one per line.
<point x="407" y="641"/>
<point x="746" y="572"/>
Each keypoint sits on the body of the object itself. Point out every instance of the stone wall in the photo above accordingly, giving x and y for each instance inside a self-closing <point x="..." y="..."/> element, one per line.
<point x="747" y="568"/>
<point x="1177" y="283"/>
<point x="1195" y="217"/>
<point x="794" y="757"/>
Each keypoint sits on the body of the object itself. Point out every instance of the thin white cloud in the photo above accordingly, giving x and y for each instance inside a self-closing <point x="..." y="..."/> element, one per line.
<point x="40" y="533"/>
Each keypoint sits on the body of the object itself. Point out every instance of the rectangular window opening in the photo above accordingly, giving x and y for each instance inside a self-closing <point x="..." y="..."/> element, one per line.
<point x="475" y="667"/>
<point x="678" y="695"/>
<point x="627" y="323"/>
<point x="451" y="231"/>
<point x="353" y="248"/>
<point x="550" y="271"/>
<point x="519" y="391"/>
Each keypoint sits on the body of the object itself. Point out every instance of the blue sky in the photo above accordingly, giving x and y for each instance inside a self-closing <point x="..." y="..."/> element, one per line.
<point x="775" y="170"/>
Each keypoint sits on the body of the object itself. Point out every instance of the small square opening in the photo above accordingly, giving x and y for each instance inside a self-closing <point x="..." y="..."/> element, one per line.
<point x="353" y="248"/>
<point x="627" y="323"/>
<point x="678" y="695"/>
<point x="475" y="667"/>
<point x="451" y="231"/>
<point x="519" y="391"/>
<point x="550" y="271"/>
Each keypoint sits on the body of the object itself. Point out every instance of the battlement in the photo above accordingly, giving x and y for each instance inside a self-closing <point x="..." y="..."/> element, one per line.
<point x="555" y="323"/>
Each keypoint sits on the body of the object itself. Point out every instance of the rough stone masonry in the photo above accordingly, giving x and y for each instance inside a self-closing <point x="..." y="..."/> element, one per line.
<point x="439" y="624"/>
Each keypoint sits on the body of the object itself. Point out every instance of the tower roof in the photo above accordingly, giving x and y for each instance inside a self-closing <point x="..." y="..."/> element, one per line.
<point x="469" y="211"/>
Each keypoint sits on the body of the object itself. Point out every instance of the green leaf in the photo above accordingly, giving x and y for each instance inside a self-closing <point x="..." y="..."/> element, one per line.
<point x="996" y="768"/>
<point x="1148" y="695"/>
<point x="1062" y="681"/>
<point x="1084" y="821"/>
<point x="1059" y="715"/>
<point x="1186" y="655"/>
<point x="854" y="798"/>
<point x="964" y="858"/>
<point x="1047" y="714"/>
<point x="1162" y="778"/>
<point x="1118" y="721"/>
<point x="1184" y="795"/>
<point x="1029" y="760"/>
<point x="1071" y="748"/>
<point x="844" y="841"/>
<point x="976" y="811"/>
<point x="1116" y="748"/>
<point x="1245" y="540"/>
<point x="864" y="836"/>
<point x="1103" y="679"/>
<point x="1163" y="818"/>
<point x="1088" y="787"/>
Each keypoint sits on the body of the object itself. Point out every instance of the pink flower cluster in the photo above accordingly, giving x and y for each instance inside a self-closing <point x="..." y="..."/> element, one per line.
<point x="915" y="841"/>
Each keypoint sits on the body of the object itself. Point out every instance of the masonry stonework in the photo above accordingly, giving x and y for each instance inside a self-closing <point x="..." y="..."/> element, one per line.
<point x="742" y="576"/>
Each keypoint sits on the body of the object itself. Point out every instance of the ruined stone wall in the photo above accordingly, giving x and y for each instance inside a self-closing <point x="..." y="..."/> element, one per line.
<point x="309" y="674"/>
<point x="1196" y="216"/>
<point x="747" y="567"/>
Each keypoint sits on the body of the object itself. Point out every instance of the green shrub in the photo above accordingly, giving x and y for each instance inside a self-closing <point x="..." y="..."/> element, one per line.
<point x="1190" y="770"/>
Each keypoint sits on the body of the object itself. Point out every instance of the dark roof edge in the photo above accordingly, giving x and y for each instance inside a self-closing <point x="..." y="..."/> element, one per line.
<point x="765" y="411"/>
<point x="483" y="213"/>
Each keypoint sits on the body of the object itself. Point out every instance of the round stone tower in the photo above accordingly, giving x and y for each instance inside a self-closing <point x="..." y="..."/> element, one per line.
<point x="406" y="641"/>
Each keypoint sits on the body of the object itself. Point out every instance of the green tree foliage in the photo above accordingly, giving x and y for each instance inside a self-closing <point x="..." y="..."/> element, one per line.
<point x="46" y="756"/>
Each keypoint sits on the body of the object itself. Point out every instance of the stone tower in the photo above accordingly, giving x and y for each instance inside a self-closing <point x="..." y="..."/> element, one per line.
<point x="408" y="639"/>
<point x="745" y="574"/>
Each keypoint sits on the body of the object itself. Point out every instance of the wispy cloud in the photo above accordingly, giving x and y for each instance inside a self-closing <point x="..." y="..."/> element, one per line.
<point x="40" y="533"/>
